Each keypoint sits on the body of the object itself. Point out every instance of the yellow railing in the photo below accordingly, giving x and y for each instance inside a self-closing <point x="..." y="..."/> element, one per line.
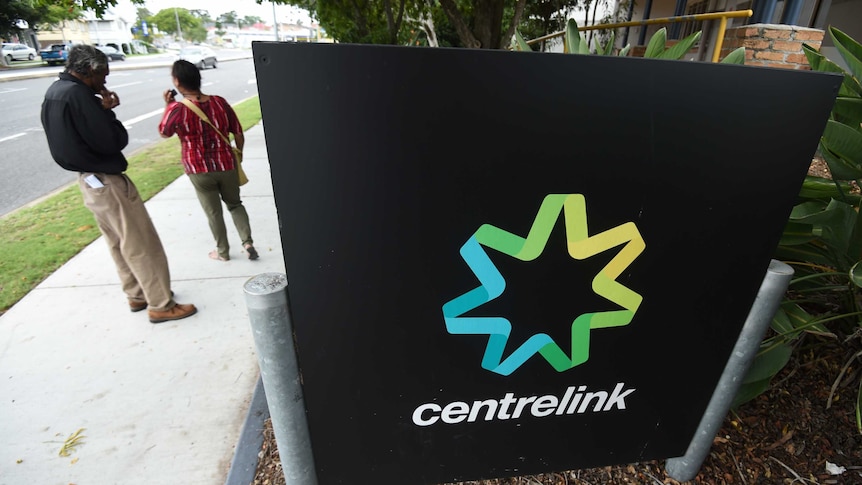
<point x="720" y="16"/>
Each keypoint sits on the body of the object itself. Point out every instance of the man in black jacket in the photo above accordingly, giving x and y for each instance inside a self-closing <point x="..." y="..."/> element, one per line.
<point x="85" y="136"/>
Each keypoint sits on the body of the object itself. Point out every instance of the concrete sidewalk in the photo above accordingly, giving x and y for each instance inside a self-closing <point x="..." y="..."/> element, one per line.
<point x="159" y="404"/>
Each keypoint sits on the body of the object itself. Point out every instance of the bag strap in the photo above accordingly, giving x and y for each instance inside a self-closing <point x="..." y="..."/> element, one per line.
<point x="196" y="110"/>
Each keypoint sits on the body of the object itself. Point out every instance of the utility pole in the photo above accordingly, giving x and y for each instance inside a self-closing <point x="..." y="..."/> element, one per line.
<point x="179" y="30"/>
<point x="274" y="21"/>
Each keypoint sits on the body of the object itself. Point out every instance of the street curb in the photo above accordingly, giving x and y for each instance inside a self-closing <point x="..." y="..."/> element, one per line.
<point x="245" y="459"/>
<point x="32" y="75"/>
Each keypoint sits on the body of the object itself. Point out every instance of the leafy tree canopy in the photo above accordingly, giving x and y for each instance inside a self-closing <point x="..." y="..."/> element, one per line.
<point x="486" y="24"/>
<point x="15" y="14"/>
<point x="190" y="26"/>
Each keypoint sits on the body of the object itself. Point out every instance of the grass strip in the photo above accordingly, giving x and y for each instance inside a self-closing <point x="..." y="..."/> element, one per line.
<point x="38" y="239"/>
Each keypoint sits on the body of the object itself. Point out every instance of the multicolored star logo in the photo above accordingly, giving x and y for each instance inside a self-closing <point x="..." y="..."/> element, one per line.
<point x="580" y="246"/>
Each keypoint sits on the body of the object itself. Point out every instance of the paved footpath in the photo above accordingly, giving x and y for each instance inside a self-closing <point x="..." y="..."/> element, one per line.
<point x="158" y="404"/>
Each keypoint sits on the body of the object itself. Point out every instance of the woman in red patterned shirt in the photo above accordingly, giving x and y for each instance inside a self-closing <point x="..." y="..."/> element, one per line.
<point x="207" y="158"/>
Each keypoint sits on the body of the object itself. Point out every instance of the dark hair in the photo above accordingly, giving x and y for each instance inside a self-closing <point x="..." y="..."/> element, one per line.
<point x="85" y="60"/>
<point x="187" y="75"/>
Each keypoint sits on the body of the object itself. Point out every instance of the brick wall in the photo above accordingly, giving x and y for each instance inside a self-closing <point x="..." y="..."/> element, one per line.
<point x="772" y="45"/>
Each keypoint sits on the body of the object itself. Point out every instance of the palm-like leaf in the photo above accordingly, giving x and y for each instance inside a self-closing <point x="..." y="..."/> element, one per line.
<point x="735" y="57"/>
<point x="520" y="44"/>
<point x="678" y="50"/>
<point x="656" y="43"/>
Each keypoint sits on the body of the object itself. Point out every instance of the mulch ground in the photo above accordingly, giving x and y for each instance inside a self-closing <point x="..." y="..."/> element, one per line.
<point x="801" y="431"/>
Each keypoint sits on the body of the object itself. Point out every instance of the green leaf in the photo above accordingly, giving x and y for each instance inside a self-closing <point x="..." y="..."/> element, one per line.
<point x="844" y="143"/>
<point x="608" y="48"/>
<point x="803" y="212"/>
<point x="802" y="320"/>
<point x="807" y="252"/>
<point x="678" y="50"/>
<point x="749" y="391"/>
<point x="850" y="109"/>
<point x="819" y="62"/>
<point x="768" y="363"/>
<point x="795" y="234"/>
<point x="859" y="408"/>
<point x="849" y="49"/>
<point x="573" y="38"/>
<point x="823" y="188"/>
<point x="781" y="322"/>
<point x="656" y="43"/>
<point x="520" y="43"/>
<point x="735" y="57"/>
<point x="840" y="168"/>
<point x="856" y="274"/>
<point x="625" y="50"/>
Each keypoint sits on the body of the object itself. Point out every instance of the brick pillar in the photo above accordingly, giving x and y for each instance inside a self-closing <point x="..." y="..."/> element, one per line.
<point x="772" y="45"/>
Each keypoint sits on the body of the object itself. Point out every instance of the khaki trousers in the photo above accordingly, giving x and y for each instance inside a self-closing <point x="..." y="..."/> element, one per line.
<point x="132" y="239"/>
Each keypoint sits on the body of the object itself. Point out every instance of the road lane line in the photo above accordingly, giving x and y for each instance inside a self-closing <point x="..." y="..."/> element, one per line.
<point x="128" y="124"/>
<point x="124" y="85"/>
<point x="7" y="91"/>
<point x="17" y="135"/>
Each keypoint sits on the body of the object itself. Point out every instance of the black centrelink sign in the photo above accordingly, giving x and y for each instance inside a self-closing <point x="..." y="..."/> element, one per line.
<point x="504" y="263"/>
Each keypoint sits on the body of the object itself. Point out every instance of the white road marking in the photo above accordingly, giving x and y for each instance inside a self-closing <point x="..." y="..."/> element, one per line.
<point x="17" y="135"/>
<point x="6" y="91"/>
<point x="128" y="124"/>
<point x="124" y="85"/>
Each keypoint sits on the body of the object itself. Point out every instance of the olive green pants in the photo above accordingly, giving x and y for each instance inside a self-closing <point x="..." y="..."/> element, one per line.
<point x="212" y="188"/>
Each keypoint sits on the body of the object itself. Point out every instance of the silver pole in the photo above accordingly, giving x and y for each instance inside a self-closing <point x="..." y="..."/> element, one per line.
<point x="266" y="299"/>
<point x="765" y="305"/>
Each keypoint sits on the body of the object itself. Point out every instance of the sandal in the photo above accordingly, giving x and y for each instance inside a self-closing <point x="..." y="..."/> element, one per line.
<point x="214" y="255"/>
<point x="252" y="252"/>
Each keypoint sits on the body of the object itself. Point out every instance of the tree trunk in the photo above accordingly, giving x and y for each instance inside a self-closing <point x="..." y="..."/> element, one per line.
<point x="519" y="12"/>
<point x="394" y="23"/>
<point x="461" y="28"/>
<point x="359" y="19"/>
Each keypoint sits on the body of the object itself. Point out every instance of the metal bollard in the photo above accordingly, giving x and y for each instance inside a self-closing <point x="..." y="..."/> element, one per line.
<point x="266" y="299"/>
<point x="778" y="275"/>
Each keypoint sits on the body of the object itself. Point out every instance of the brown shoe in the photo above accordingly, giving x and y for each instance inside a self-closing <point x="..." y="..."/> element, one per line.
<point x="177" y="312"/>
<point x="136" y="306"/>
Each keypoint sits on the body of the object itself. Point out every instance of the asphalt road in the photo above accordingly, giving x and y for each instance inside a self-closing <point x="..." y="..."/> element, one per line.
<point x="30" y="173"/>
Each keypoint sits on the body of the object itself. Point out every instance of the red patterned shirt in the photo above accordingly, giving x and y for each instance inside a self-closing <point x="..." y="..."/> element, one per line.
<point x="204" y="150"/>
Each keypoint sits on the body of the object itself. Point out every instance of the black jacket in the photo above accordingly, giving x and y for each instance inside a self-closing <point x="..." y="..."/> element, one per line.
<point x="82" y="135"/>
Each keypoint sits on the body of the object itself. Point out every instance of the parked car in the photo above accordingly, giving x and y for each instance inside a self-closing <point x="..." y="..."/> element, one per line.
<point x="113" y="54"/>
<point x="199" y="56"/>
<point x="55" y="53"/>
<point x="18" y="52"/>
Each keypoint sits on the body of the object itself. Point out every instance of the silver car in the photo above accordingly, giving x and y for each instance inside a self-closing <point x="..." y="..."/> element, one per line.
<point x="18" y="52"/>
<point x="198" y="55"/>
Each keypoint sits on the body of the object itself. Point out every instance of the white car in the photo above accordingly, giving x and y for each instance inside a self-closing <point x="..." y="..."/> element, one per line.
<point x="200" y="56"/>
<point x="18" y="52"/>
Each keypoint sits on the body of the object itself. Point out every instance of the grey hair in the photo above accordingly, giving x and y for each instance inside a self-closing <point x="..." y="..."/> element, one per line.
<point x="85" y="60"/>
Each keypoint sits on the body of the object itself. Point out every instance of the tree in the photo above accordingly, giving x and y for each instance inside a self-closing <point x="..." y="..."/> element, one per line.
<point x="190" y="27"/>
<point x="360" y="21"/>
<point x="480" y="24"/>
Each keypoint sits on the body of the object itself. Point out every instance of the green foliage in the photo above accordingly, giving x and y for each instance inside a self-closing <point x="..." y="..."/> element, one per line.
<point x="190" y="26"/>
<point x="823" y="236"/>
<point x="656" y="47"/>
<point x="37" y="240"/>
<point x="575" y="43"/>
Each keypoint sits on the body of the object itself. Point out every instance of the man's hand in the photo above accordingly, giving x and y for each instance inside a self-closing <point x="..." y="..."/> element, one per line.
<point x="110" y="100"/>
